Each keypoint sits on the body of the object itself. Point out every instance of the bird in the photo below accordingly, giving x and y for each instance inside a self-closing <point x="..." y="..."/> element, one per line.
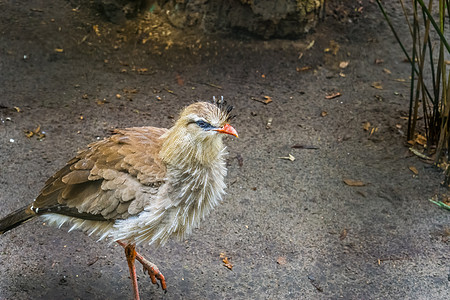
<point x="141" y="185"/>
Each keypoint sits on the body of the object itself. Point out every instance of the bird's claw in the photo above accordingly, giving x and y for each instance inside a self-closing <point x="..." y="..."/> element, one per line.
<point x="152" y="276"/>
<point x="156" y="275"/>
<point x="153" y="272"/>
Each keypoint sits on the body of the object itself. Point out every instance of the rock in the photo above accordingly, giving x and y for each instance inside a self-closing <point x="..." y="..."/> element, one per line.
<point x="264" y="18"/>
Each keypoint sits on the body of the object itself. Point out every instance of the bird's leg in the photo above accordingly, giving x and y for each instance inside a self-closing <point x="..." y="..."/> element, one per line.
<point x="130" y="254"/>
<point x="150" y="267"/>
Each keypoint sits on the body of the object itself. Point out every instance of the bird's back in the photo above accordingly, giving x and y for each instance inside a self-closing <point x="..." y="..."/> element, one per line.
<point x="101" y="182"/>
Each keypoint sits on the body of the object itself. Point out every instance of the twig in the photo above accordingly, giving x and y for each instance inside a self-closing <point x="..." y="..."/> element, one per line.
<point x="299" y="146"/>
<point x="380" y="260"/>
<point x="440" y="204"/>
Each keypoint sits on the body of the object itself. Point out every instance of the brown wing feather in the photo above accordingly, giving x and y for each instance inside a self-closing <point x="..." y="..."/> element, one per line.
<point x="108" y="180"/>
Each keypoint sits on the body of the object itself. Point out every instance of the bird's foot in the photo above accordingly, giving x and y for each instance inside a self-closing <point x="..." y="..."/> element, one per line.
<point x="151" y="268"/>
<point x="153" y="271"/>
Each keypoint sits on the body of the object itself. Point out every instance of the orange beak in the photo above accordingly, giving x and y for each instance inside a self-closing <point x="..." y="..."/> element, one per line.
<point x="228" y="129"/>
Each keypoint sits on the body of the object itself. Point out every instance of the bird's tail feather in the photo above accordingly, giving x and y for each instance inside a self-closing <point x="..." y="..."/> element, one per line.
<point x="16" y="218"/>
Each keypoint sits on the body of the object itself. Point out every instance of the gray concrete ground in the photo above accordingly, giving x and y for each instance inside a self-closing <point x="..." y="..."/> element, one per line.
<point x="291" y="229"/>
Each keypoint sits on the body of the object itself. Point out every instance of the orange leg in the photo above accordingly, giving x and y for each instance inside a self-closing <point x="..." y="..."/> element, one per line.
<point x="148" y="266"/>
<point x="130" y="253"/>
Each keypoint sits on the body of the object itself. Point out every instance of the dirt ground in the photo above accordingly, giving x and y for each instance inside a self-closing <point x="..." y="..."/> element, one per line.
<point x="291" y="229"/>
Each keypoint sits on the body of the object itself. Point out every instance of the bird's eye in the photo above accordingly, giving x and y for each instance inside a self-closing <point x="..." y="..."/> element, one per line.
<point x="204" y="125"/>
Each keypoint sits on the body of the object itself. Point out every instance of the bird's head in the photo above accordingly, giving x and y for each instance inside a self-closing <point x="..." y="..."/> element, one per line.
<point x="204" y="121"/>
<point x="198" y="132"/>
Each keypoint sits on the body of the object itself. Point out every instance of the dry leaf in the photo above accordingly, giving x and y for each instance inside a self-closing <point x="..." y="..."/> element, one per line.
<point x="142" y="70"/>
<point x="226" y="261"/>
<point x="333" y="95"/>
<point x="379" y="61"/>
<point x="421" y="140"/>
<point x="281" y="260"/>
<point x="379" y="98"/>
<point x="99" y="102"/>
<point x="400" y="80"/>
<point x="324" y="114"/>
<point x="129" y="90"/>
<point x="169" y="44"/>
<point x="265" y="100"/>
<point x="290" y="157"/>
<point x="59" y="50"/>
<point x="366" y="126"/>
<point x="28" y="133"/>
<point x="387" y="71"/>
<point x="311" y="44"/>
<point x="414" y="170"/>
<point x="352" y="182"/>
<point x="334" y="47"/>
<point x="344" y="64"/>
<point x="17" y="109"/>
<point x="96" y="30"/>
<point x="343" y="234"/>
<point x="377" y="85"/>
<point x="303" y="69"/>
<point x="36" y="132"/>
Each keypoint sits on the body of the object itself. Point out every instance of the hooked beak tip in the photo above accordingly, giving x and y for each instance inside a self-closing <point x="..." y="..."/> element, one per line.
<point x="228" y="129"/>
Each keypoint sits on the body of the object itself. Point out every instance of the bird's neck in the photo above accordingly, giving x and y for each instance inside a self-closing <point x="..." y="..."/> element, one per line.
<point x="179" y="150"/>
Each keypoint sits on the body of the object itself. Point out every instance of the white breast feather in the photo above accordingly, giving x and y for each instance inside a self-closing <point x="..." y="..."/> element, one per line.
<point x="177" y="209"/>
